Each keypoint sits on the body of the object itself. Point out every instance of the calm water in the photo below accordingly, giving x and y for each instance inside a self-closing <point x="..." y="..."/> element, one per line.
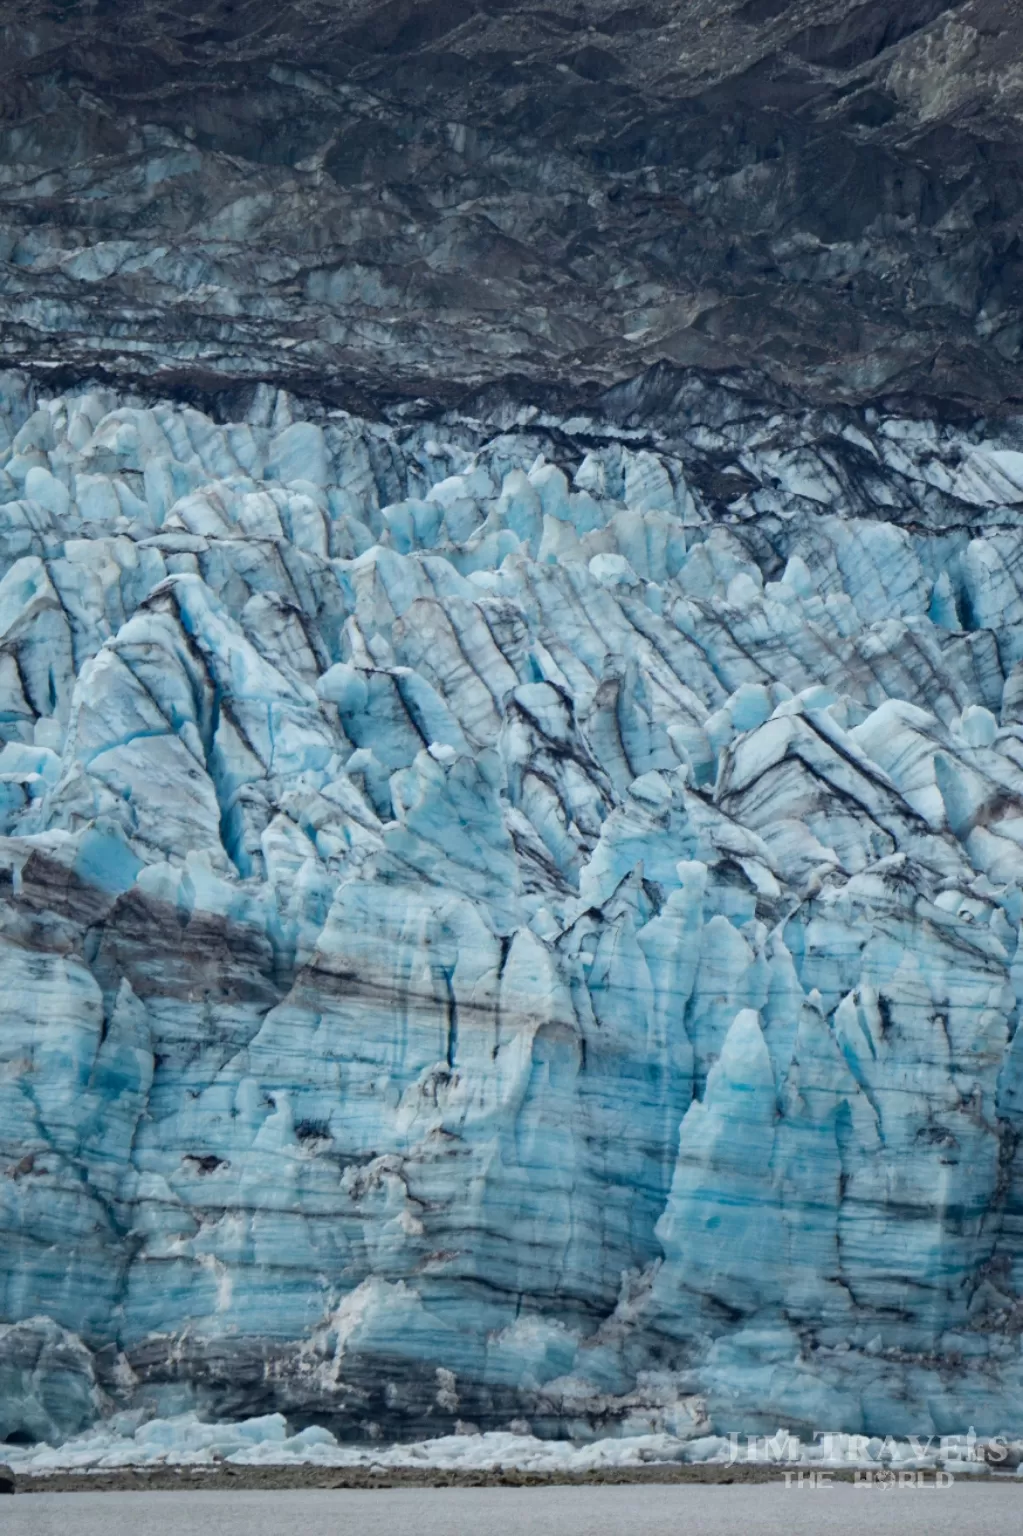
<point x="649" y="1511"/>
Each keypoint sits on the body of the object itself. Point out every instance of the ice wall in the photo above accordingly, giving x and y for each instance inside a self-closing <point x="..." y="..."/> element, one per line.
<point x="513" y="927"/>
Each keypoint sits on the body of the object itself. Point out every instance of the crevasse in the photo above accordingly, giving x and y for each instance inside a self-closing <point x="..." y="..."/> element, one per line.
<point x="494" y="932"/>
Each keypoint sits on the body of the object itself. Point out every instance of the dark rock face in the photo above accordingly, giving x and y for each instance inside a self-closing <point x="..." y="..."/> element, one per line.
<point x="367" y="200"/>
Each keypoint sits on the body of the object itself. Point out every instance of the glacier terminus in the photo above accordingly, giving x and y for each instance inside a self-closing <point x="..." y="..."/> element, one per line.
<point x="492" y="936"/>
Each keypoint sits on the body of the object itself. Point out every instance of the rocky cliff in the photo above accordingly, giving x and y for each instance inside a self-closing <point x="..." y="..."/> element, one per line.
<point x="374" y="198"/>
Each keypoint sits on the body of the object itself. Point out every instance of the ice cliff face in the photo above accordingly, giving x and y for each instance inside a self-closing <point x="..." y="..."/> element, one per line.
<point x="492" y="931"/>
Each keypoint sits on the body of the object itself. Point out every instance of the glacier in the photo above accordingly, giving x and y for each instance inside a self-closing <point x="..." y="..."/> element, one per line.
<point x="509" y="924"/>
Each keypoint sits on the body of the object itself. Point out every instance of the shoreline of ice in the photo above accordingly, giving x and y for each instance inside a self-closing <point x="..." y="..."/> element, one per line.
<point x="185" y="1441"/>
<point x="494" y="934"/>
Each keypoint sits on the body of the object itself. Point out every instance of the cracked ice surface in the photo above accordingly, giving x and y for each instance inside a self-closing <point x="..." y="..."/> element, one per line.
<point x="492" y="933"/>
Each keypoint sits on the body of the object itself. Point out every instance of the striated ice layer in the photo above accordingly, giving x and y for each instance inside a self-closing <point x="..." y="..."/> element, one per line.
<point x="511" y="928"/>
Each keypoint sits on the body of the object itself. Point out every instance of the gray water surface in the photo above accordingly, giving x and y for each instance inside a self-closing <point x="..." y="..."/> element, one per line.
<point x="586" y="1511"/>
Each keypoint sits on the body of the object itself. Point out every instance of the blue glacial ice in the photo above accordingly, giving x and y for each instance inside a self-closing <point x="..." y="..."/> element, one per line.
<point x="499" y="929"/>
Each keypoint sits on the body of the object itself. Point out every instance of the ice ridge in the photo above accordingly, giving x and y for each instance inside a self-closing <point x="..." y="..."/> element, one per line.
<point x="509" y="924"/>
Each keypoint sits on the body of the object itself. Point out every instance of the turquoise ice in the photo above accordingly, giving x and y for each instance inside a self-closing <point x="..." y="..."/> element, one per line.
<point x="493" y="934"/>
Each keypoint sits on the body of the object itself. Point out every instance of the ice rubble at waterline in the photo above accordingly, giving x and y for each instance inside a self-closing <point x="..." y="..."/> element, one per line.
<point x="495" y="940"/>
<point x="185" y="1441"/>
